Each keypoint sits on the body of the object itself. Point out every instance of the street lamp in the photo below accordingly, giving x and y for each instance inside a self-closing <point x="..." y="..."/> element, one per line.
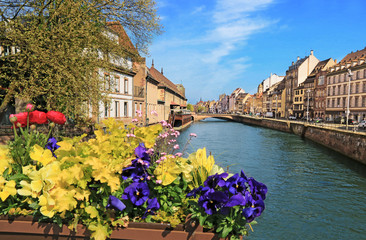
<point x="307" y="109"/>
<point x="349" y="92"/>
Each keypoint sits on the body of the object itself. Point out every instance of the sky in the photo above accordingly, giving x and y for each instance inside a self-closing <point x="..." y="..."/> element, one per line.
<point x="215" y="46"/>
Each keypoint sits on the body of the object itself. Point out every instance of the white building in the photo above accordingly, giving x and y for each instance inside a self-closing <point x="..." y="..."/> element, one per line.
<point x="119" y="87"/>
<point x="271" y="80"/>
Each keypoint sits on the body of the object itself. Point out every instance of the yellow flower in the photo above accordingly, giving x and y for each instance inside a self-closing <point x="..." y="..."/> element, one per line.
<point x="41" y="155"/>
<point x="202" y="166"/>
<point x="47" y="204"/>
<point x="7" y="189"/>
<point x="167" y="171"/>
<point x="4" y="159"/>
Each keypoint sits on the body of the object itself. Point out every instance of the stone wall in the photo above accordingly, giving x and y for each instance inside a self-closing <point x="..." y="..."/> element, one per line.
<point x="351" y="144"/>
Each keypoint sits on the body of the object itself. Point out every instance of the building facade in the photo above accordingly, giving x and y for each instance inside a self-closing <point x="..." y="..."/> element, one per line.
<point x="295" y="75"/>
<point x="346" y="87"/>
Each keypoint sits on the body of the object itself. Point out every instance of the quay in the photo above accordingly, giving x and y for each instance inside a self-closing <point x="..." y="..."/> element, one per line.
<point x="347" y="142"/>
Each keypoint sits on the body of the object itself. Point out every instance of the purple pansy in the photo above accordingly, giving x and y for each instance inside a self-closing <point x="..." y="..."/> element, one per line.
<point x="152" y="206"/>
<point x="137" y="193"/>
<point x="114" y="202"/>
<point x="52" y="145"/>
<point x="215" y="180"/>
<point x="257" y="188"/>
<point x="236" y="184"/>
<point x="141" y="152"/>
<point x="212" y="202"/>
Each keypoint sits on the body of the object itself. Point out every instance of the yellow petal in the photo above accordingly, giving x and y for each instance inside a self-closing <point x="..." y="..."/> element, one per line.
<point x="4" y="195"/>
<point x="41" y="155"/>
<point x="36" y="186"/>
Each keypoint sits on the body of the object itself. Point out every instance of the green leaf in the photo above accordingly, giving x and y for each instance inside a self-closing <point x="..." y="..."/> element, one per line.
<point x="226" y="231"/>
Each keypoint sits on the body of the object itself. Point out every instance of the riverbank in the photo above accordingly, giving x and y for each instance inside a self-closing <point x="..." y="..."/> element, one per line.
<point x="348" y="143"/>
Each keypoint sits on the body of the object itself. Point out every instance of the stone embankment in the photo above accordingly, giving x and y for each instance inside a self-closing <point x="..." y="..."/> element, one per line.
<point x="348" y="143"/>
<point x="351" y="144"/>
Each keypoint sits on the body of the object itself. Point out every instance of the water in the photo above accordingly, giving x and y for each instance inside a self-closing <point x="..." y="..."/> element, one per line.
<point x="313" y="192"/>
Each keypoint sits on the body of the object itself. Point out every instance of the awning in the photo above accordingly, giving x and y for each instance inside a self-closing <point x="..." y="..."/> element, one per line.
<point x="174" y="104"/>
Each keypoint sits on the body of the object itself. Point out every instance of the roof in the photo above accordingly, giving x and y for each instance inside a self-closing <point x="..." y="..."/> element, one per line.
<point x="354" y="56"/>
<point x="124" y="39"/>
<point x="164" y="82"/>
<point x="297" y="63"/>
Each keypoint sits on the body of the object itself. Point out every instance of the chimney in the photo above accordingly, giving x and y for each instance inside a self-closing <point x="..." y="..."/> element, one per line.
<point x="298" y="58"/>
<point x="152" y="64"/>
<point x="335" y="61"/>
<point x="312" y="52"/>
<point x="162" y="71"/>
<point x="292" y="63"/>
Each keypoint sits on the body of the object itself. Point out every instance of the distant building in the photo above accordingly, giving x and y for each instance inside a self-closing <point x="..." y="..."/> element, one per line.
<point x="233" y="103"/>
<point x="295" y="75"/>
<point x="338" y="82"/>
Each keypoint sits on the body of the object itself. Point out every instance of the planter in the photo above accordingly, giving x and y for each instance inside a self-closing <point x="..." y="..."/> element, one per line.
<point x="23" y="228"/>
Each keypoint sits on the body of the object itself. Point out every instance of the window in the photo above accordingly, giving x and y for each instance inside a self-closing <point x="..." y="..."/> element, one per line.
<point x="363" y="101"/>
<point x="357" y="74"/>
<point x="338" y="102"/>
<point x="7" y="51"/>
<point x="357" y="86"/>
<point x="364" y="73"/>
<point x="125" y="109"/>
<point x="321" y="80"/>
<point x="364" y="86"/>
<point x="105" y="110"/>
<point x="126" y="86"/>
<point x="106" y="81"/>
<point x="116" y="108"/>
<point x="117" y="83"/>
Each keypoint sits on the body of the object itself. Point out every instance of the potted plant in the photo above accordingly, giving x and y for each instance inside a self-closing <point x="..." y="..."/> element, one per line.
<point x="125" y="182"/>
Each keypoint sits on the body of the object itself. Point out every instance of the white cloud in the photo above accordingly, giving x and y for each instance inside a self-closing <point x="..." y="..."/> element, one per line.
<point x="212" y="61"/>
<point x="198" y="9"/>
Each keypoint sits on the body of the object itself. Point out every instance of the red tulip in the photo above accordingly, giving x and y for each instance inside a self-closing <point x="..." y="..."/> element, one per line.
<point x="38" y="117"/>
<point x="56" y="117"/>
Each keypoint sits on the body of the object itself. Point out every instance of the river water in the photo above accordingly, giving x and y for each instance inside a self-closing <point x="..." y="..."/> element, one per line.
<point x="313" y="192"/>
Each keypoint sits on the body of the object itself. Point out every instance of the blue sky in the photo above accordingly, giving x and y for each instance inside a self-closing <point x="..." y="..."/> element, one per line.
<point x="215" y="46"/>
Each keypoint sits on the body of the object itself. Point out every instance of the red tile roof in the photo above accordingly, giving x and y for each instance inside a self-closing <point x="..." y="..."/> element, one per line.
<point x="124" y="39"/>
<point x="163" y="81"/>
<point x="354" y="56"/>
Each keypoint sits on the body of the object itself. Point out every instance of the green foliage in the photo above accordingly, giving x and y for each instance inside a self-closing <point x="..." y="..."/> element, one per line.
<point x="190" y="107"/>
<point x="59" y="44"/>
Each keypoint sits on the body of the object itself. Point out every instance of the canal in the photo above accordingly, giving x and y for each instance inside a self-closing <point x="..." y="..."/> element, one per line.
<point x="313" y="192"/>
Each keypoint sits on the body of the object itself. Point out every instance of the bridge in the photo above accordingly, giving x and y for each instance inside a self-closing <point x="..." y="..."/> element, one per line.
<point x="199" y="117"/>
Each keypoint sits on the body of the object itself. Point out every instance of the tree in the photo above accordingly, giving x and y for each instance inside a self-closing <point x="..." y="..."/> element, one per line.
<point x="60" y="45"/>
<point x="190" y="107"/>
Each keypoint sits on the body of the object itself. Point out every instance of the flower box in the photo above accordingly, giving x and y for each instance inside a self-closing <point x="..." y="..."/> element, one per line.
<point x="25" y="228"/>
